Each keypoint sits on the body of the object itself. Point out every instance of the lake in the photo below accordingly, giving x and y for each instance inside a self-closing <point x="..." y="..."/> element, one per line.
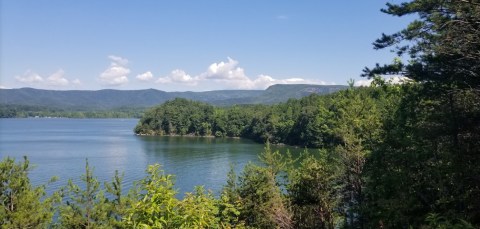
<point x="59" y="147"/>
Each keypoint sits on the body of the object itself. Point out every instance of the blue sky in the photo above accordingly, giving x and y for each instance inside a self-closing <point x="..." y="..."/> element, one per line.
<point x="188" y="45"/>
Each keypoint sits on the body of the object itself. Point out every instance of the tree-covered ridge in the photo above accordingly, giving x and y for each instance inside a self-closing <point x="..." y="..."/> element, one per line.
<point x="313" y="121"/>
<point x="111" y="99"/>
<point x="29" y="102"/>
<point x="24" y="111"/>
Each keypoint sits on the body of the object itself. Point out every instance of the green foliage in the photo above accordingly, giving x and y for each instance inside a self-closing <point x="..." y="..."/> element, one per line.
<point x="89" y="207"/>
<point x="348" y="124"/>
<point x="358" y="128"/>
<point x="310" y="121"/>
<point x="229" y="205"/>
<point x="429" y="146"/>
<point x="435" y="221"/>
<point x="313" y="193"/>
<point x="22" y="205"/>
<point x="178" y="117"/>
<point x="156" y="205"/>
<point x="151" y="205"/>
<point x="26" y="111"/>
<point x="274" y="161"/>
<point x="262" y="203"/>
<point x="314" y="124"/>
<point x="386" y="161"/>
<point x="426" y="159"/>
<point x="199" y="210"/>
<point x="102" y="103"/>
<point x="443" y="43"/>
<point x="117" y="203"/>
<point x="254" y="199"/>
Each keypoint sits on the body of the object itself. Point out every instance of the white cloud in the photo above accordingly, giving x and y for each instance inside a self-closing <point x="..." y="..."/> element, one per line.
<point x="231" y="76"/>
<point x="30" y="78"/>
<point x="57" y="79"/>
<point x="3" y="87"/>
<point x="179" y="76"/>
<point x="264" y="81"/>
<point x="388" y="80"/>
<point x="119" y="60"/>
<point x="363" y="83"/>
<point x="235" y="77"/>
<point x="116" y="73"/>
<point x="225" y="71"/>
<point x="399" y="80"/>
<point x="77" y="82"/>
<point x="147" y="76"/>
<point x="282" y="17"/>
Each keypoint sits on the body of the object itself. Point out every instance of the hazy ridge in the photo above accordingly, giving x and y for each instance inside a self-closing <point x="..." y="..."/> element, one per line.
<point x="110" y="99"/>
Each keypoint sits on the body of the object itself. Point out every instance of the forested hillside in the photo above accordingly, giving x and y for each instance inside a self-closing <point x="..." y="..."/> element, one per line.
<point x="313" y="121"/>
<point x="27" y="102"/>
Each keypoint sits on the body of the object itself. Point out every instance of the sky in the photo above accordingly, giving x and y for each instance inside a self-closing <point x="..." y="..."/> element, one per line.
<point x="180" y="45"/>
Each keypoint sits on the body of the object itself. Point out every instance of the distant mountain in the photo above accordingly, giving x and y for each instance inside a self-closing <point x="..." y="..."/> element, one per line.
<point x="282" y="92"/>
<point x="110" y="99"/>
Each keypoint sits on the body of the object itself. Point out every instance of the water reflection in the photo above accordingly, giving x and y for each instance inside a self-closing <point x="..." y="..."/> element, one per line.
<point x="59" y="147"/>
<point x="199" y="161"/>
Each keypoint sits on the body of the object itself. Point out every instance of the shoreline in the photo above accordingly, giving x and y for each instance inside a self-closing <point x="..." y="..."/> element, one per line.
<point x="212" y="136"/>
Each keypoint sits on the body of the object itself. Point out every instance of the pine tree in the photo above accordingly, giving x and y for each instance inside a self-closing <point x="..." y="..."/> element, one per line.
<point x="23" y="205"/>
<point x="89" y="207"/>
<point x="427" y="162"/>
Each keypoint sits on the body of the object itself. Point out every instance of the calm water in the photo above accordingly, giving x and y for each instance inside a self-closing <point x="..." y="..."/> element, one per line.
<point x="59" y="147"/>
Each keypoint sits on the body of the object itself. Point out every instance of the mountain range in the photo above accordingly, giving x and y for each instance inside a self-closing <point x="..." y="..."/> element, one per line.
<point x="110" y="99"/>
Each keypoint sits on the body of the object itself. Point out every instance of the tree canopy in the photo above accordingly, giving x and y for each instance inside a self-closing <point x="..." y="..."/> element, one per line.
<point x="443" y="43"/>
<point x="425" y="168"/>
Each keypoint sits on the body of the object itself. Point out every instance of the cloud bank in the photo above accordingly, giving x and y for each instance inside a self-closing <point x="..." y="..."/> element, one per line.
<point x="389" y="80"/>
<point x="147" y="76"/>
<point x="55" y="80"/>
<point x="231" y="76"/>
<point x="116" y="73"/>
<point x="178" y="76"/>
<point x="29" y="77"/>
<point x="225" y="74"/>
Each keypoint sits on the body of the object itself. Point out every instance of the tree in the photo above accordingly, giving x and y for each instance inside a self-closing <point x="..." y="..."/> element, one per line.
<point x="89" y="207"/>
<point x="22" y="205"/>
<point x="357" y="127"/>
<point x="423" y="165"/>
<point x="313" y="192"/>
<point x="443" y="43"/>
<point x="256" y="195"/>
<point x="199" y="210"/>
<point x="177" y="117"/>
<point x="156" y="205"/>
<point x="262" y="204"/>
<point x="230" y="203"/>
